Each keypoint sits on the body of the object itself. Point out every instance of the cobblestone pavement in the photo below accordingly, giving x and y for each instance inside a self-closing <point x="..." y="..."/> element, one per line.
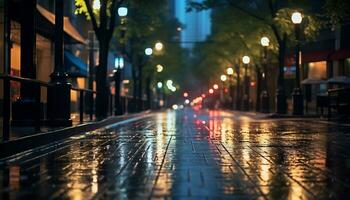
<point x="188" y="155"/>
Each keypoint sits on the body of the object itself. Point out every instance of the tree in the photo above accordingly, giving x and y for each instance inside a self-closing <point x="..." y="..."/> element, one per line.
<point x="248" y="20"/>
<point x="147" y="23"/>
<point x="103" y="16"/>
<point x="337" y="11"/>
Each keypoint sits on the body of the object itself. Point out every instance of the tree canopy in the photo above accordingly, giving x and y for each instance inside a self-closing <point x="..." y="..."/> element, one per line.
<point x="238" y="26"/>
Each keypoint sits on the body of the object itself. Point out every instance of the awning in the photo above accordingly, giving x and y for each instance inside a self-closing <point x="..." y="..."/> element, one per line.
<point x="315" y="56"/>
<point x="339" y="80"/>
<point x="310" y="81"/>
<point x="75" y="67"/>
<point x="340" y="54"/>
<point x="46" y="23"/>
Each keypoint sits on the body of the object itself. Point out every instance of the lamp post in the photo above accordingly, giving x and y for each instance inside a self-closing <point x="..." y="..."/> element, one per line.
<point x="148" y="53"/>
<point x="298" y="106"/>
<point x="246" y="61"/>
<point x="159" y="69"/>
<point x="223" y="79"/>
<point x="159" y="94"/>
<point x="58" y="95"/>
<point x="229" y="72"/>
<point x="264" y="97"/>
<point x="238" y="88"/>
<point x="119" y="65"/>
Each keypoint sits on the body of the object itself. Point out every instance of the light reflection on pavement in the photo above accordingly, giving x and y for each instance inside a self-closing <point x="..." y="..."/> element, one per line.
<point x="187" y="154"/>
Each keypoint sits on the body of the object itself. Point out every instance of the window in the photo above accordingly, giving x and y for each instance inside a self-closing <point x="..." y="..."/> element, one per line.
<point x="347" y="67"/>
<point x="317" y="70"/>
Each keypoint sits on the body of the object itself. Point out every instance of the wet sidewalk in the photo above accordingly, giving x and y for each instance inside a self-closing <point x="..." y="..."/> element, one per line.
<point x="189" y="155"/>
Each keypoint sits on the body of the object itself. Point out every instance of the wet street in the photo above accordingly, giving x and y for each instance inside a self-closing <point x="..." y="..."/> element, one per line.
<point x="186" y="154"/>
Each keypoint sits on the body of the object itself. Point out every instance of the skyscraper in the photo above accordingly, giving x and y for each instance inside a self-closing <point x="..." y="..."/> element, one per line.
<point x="196" y="25"/>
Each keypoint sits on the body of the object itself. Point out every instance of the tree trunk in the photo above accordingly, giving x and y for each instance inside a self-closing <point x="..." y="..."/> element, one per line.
<point x="281" y="58"/>
<point x="139" y="92"/>
<point x="135" y="84"/>
<point x="258" y="88"/>
<point x="281" y="100"/>
<point x="101" y="81"/>
<point x="148" y="93"/>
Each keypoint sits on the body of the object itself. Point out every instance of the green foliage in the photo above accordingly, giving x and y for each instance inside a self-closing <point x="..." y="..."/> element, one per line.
<point x="81" y="9"/>
<point x="337" y="11"/>
<point x="238" y="26"/>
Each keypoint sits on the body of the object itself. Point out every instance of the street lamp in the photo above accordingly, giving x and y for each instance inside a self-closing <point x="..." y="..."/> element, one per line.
<point x="297" y="18"/>
<point x="122" y="11"/>
<point x="159" y="85"/>
<point x="229" y="72"/>
<point x="159" y="46"/>
<point x="265" y="42"/>
<point x="246" y="61"/>
<point x="118" y="65"/>
<point x="264" y="97"/>
<point x="159" y="68"/>
<point x="148" y="51"/>
<point x="298" y="106"/>
<point x="223" y="78"/>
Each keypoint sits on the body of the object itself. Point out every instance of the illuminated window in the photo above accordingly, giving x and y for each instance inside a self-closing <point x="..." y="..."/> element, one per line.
<point x="318" y="70"/>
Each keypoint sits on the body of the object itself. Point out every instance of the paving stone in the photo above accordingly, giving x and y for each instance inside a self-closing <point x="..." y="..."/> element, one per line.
<point x="172" y="155"/>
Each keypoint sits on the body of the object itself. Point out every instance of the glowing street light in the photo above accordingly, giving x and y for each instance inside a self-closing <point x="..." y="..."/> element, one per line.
<point x="159" y="85"/>
<point x="216" y="86"/>
<point x="170" y="86"/>
<point x="229" y="71"/>
<point x="148" y="51"/>
<point x="119" y="63"/>
<point x="185" y="94"/>
<point x="211" y="91"/>
<point x="223" y="78"/>
<point x="246" y="60"/>
<point x="265" y="42"/>
<point x="169" y="82"/>
<point x="122" y="11"/>
<point x="175" y="107"/>
<point x="297" y="18"/>
<point x="159" y="46"/>
<point x="159" y="68"/>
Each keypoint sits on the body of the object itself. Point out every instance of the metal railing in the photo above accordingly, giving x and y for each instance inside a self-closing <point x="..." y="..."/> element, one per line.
<point x="128" y="104"/>
<point x="37" y="84"/>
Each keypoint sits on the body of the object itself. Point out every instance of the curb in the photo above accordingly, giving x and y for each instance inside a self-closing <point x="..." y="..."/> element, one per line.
<point x="259" y="115"/>
<point x="22" y="144"/>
